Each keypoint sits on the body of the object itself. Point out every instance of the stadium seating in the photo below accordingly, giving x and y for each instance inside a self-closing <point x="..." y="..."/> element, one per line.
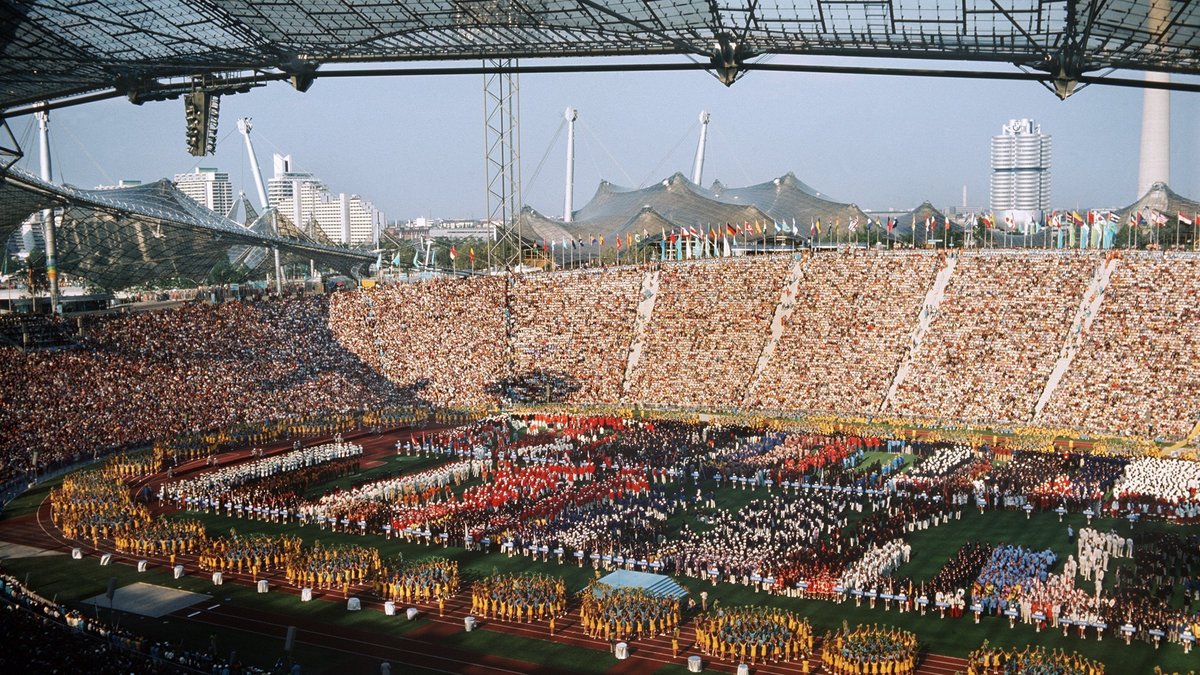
<point x="573" y="330"/>
<point x="996" y="336"/>
<point x="848" y="331"/>
<point x="709" y="325"/>
<point x="1137" y="370"/>
<point x="472" y="343"/>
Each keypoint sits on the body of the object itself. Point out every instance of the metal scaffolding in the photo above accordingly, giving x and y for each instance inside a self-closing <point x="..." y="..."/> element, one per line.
<point x="502" y="158"/>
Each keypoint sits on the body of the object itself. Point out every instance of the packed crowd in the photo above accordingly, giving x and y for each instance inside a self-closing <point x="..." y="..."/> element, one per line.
<point x="783" y="457"/>
<point x="336" y="567"/>
<point x="1032" y="660"/>
<point x="1159" y="486"/>
<point x="177" y="450"/>
<point x="1135" y="370"/>
<point x="144" y="377"/>
<point x="432" y="579"/>
<point x="519" y="597"/>
<point x="601" y="489"/>
<point x="869" y="650"/>
<point x="937" y="468"/>
<point x="626" y="613"/>
<point x="855" y="333"/>
<point x="575" y="328"/>
<point x="249" y="554"/>
<point x="709" y="325"/>
<point x="92" y="506"/>
<point x="776" y="538"/>
<point x="949" y="585"/>
<point x="754" y="635"/>
<point x="444" y="342"/>
<point x="1009" y="569"/>
<point x="216" y="488"/>
<point x="996" y="336"/>
<point x="162" y="537"/>
<point x="372" y="504"/>
<point x="141" y="378"/>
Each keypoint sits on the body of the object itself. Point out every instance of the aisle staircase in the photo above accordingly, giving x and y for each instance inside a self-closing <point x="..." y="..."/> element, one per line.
<point x="645" y="309"/>
<point x="783" y="312"/>
<point x="929" y="310"/>
<point x="1089" y="307"/>
<point x="1188" y="440"/>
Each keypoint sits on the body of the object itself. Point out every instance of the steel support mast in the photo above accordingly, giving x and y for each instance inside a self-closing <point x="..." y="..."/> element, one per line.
<point x="244" y="126"/>
<point x="502" y="158"/>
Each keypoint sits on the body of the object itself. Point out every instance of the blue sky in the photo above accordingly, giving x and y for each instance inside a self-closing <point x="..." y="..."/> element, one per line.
<point x="414" y="145"/>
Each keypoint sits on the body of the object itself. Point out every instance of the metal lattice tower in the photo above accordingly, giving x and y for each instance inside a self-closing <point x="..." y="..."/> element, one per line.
<point x="502" y="158"/>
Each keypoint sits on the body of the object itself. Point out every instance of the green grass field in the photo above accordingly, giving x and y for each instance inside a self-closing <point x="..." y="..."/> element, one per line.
<point x="72" y="581"/>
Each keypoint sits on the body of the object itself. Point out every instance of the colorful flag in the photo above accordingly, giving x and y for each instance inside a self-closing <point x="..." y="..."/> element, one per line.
<point x="1182" y="219"/>
<point x="731" y="230"/>
<point x="453" y="253"/>
<point x="471" y="255"/>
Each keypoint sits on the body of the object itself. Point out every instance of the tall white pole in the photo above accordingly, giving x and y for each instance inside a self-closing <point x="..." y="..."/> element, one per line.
<point x="698" y="165"/>
<point x="1154" y="164"/>
<point x="571" y="115"/>
<point x="43" y="118"/>
<point x="244" y="126"/>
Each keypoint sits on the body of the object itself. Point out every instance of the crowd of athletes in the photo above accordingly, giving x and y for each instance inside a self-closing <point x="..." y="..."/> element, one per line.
<point x="610" y="493"/>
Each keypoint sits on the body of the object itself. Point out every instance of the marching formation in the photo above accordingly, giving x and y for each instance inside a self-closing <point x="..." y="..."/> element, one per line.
<point x="754" y="634"/>
<point x="823" y="515"/>
<point x="869" y="650"/>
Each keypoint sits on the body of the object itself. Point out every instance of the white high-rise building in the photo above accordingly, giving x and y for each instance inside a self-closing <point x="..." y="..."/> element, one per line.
<point x="1020" y="170"/>
<point x="303" y="198"/>
<point x="207" y="187"/>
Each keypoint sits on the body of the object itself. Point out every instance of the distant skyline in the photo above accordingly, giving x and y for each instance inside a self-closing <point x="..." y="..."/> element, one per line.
<point x="414" y="145"/>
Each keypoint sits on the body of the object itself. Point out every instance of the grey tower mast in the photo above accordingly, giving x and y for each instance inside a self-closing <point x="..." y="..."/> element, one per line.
<point x="698" y="165"/>
<point x="571" y="115"/>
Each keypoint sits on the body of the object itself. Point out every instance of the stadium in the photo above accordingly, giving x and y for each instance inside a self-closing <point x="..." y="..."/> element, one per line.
<point x="931" y="445"/>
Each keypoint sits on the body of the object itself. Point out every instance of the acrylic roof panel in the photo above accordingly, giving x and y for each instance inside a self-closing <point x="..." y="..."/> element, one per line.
<point x="52" y="48"/>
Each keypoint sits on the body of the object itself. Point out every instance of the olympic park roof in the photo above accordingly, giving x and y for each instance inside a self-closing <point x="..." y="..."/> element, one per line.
<point x="922" y="217"/>
<point x="121" y="238"/>
<point x="676" y="202"/>
<point x="50" y="49"/>
<point x="1161" y="198"/>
